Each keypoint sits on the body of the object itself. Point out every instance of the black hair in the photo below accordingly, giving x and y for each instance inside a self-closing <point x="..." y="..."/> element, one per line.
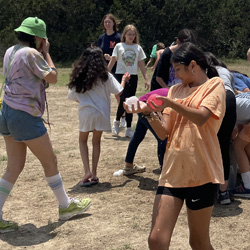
<point x="187" y="35"/>
<point x="214" y="61"/>
<point x="88" y="69"/>
<point x="188" y="52"/>
<point x="24" y="37"/>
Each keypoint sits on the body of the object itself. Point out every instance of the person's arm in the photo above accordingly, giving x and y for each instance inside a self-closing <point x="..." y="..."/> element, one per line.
<point x="141" y="65"/>
<point x="158" y="54"/>
<point x="161" y="82"/>
<point x="125" y="78"/>
<point x="111" y="63"/>
<point x="198" y="116"/>
<point x="52" y="76"/>
<point x="150" y="60"/>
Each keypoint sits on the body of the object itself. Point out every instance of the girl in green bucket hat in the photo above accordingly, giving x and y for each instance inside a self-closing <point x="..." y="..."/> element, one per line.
<point x="28" y="66"/>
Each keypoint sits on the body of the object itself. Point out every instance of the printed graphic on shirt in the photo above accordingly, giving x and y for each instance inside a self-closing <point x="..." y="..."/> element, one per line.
<point x="128" y="57"/>
<point x="111" y="44"/>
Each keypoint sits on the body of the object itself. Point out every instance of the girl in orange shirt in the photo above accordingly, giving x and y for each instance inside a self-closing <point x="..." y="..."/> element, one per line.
<point x="192" y="168"/>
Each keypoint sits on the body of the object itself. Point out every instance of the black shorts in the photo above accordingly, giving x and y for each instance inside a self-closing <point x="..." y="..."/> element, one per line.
<point x="196" y="197"/>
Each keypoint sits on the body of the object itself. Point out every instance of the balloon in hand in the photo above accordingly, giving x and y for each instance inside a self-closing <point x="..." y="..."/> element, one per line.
<point x="156" y="101"/>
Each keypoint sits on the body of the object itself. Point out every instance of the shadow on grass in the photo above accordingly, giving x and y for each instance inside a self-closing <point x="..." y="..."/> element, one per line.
<point x="30" y="235"/>
<point x="230" y="210"/>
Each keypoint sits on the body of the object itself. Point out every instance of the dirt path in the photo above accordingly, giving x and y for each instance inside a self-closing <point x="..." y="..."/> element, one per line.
<point x="120" y="215"/>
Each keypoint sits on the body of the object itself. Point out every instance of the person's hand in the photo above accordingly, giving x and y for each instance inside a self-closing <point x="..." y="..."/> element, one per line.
<point x="45" y="46"/>
<point x="126" y="77"/>
<point x="158" y="108"/>
<point x="107" y="57"/>
<point x="147" y="84"/>
<point x="141" y="107"/>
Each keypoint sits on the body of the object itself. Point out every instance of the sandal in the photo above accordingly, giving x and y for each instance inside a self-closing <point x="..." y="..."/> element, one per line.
<point x="85" y="183"/>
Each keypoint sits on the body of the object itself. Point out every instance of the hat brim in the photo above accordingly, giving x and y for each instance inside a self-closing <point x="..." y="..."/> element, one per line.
<point x="29" y="31"/>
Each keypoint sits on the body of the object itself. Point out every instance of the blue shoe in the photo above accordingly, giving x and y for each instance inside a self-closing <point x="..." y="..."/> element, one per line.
<point x="224" y="198"/>
<point x="240" y="191"/>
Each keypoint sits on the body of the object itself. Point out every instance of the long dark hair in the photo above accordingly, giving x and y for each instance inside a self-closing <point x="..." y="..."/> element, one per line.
<point x="188" y="52"/>
<point x="23" y="37"/>
<point x="214" y="61"/>
<point x="88" y="69"/>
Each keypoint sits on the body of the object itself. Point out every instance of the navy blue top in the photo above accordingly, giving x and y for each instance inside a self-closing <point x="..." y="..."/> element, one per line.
<point x="107" y="44"/>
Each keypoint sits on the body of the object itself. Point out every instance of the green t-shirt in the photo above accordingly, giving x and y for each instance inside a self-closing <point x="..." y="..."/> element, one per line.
<point x="153" y="52"/>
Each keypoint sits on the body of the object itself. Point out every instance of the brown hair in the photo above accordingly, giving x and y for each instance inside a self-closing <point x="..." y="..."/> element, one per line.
<point x="114" y="19"/>
<point x="126" y="29"/>
<point x="160" y="46"/>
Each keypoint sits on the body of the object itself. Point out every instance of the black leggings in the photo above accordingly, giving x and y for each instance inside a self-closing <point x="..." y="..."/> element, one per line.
<point x="129" y="90"/>
<point x="225" y="131"/>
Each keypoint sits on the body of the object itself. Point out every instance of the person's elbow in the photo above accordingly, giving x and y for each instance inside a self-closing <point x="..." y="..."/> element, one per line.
<point x="51" y="77"/>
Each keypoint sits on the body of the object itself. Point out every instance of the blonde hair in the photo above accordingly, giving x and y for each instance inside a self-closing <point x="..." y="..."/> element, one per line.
<point x="126" y="29"/>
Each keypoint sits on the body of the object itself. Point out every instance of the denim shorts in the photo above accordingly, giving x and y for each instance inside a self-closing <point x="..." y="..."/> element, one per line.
<point x="19" y="124"/>
<point x="196" y="197"/>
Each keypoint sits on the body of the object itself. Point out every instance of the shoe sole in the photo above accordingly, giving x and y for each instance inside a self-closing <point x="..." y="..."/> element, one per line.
<point x="225" y="202"/>
<point x="137" y="172"/>
<point x="69" y="216"/>
<point x="3" y="231"/>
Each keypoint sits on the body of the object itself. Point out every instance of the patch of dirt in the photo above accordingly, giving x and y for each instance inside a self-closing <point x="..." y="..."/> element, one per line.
<point x="120" y="215"/>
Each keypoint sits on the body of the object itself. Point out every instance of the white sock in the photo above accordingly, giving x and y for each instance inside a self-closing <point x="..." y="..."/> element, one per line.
<point x="5" y="188"/>
<point x="246" y="179"/>
<point x="55" y="183"/>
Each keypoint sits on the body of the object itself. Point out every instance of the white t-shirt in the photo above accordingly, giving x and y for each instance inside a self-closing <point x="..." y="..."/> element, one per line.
<point x="243" y="107"/>
<point x="127" y="57"/>
<point x="98" y="98"/>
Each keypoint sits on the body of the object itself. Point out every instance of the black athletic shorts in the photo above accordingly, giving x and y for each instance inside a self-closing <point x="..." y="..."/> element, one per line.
<point x="196" y="197"/>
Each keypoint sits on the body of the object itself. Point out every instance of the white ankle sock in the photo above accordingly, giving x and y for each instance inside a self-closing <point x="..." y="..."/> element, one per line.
<point x="55" y="183"/>
<point x="246" y="179"/>
<point x="5" y="188"/>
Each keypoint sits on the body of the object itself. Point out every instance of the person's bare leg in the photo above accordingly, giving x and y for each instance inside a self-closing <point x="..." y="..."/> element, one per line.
<point x="199" y="222"/>
<point x="241" y="154"/>
<point x="165" y="213"/>
<point x="41" y="147"/>
<point x="96" y="142"/>
<point x="16" y="153"/>
<point x="83" y="144"/>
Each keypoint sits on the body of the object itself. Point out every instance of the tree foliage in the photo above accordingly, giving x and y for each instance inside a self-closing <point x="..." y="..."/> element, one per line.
<point x="221" y="26"/>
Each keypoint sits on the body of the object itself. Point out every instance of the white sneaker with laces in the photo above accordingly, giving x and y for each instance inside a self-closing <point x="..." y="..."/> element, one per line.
<point x="115" y="127"/>
<point x="123" y="123"/>
<point x="129" y="133"/>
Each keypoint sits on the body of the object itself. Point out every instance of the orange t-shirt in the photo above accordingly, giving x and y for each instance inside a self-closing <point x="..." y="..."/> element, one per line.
<point x="193" y="155"/>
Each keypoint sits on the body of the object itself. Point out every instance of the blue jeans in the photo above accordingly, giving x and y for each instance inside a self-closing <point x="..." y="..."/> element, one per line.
<point x="140" y="131"/>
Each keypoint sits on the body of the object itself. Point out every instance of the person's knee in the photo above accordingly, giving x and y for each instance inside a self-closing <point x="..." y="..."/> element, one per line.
<point x="158" y="243"/>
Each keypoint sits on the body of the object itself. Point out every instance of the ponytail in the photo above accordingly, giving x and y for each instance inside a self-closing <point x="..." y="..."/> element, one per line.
<point x="211" y="71"/>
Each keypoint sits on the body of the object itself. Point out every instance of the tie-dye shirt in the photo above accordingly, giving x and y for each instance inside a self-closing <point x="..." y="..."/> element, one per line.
<point x="24" y="86"/>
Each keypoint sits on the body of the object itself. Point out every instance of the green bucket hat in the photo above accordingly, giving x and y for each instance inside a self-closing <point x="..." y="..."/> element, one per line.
<point x="33" y="26"/>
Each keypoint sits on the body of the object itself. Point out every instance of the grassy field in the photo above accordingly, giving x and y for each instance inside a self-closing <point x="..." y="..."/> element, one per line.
<point x="64" y="72"/>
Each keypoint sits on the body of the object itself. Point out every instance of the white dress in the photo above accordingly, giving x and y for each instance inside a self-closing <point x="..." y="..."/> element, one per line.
<point x="94" y="105"/>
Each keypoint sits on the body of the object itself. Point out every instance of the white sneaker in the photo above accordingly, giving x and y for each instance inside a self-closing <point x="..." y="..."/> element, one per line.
<point x="129" y="133"/>
<point x="115" y="127"/>
<point x="123" y="123"/>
